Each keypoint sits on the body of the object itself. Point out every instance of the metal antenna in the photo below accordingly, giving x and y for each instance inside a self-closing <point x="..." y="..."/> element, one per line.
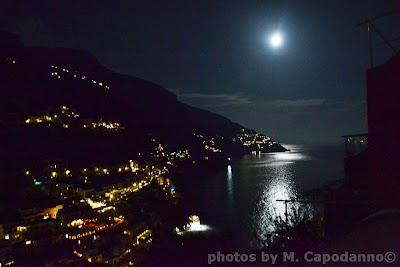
<point x="384" y="39"/>
<point x="377" y="17"/>
<point x="394" y="40"/>
<point x="371" y="27"/>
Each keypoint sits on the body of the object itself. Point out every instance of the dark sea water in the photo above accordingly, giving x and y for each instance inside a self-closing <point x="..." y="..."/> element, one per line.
<point x="241" y="200"/>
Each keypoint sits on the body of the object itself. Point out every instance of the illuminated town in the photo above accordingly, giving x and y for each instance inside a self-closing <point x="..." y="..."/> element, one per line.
<point x="83" y="218"/>
<point x="95" y="183"/>
<point x="91" y="206"/>
<point x="199" y="133"/>
<point x="65" y="118"/>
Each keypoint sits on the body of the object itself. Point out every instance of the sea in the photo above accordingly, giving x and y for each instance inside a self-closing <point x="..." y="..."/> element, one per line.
<point x="242" y="199"/>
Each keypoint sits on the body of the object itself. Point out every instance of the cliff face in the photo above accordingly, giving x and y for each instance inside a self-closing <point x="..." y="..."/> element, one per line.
<point x="50" y="95"/>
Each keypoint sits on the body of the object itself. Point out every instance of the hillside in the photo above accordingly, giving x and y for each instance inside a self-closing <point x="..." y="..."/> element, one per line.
<point x="62" y="104"/>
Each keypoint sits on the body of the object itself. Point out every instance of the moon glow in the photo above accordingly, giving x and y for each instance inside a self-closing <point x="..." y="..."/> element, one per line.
<point x="275" y="40"/>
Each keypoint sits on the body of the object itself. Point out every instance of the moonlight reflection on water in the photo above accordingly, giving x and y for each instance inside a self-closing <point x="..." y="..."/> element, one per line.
<point x="240" y="201"/>
<point x="279" y="184"/>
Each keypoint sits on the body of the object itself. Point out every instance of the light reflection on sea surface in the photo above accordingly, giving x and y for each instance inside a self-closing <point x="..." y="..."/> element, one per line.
<point x="241" y="200"/>
<point x="229" y="186"/>
<point x="278" y="184"/>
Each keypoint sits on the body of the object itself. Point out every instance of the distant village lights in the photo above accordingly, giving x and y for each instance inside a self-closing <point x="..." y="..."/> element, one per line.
<point x="64" y="117"/>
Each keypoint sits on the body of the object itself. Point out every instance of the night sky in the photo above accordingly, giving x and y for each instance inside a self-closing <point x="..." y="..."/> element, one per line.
<point x="215" y="55"/>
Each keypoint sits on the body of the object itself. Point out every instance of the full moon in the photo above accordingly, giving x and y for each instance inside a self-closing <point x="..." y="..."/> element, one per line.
<point x="276" y="40"/>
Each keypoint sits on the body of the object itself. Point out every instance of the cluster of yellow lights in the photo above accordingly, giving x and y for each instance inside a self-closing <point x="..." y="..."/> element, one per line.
<point x="39" y="119"/>
<point x="161" y="152"/>
<point x="144" y="236"/>
<point x="117" y="220"/>
<point x="67" y="113"/>
<point x="248" y="139"/>
<point x="22" y="228"/>
<point x="123" y="169"/>
<point x="90" y="259"/>
<point x="57" y="118"/>
<point x="18" y="234"/>
<point x="132" y="166"/>
<point x="116" y="194"/>
<point x="90" y="227"/>
<point x="213" y="149"/>
<point x="210" y="145"/>
<point x="76" y="223"/>
<point x="55" y="174"/>
<point x="59" y="71"/>
<point x="105" y="209"/>
<point x="104" y="125"/>
<point x="95" y="204"/>
<point x="180" y="154"/>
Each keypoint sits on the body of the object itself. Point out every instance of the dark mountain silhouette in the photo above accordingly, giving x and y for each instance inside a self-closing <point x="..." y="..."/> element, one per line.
<point x="35" y="81"/>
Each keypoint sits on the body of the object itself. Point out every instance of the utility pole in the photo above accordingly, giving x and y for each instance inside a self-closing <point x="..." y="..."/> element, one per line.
<point x="371" y="57"/>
